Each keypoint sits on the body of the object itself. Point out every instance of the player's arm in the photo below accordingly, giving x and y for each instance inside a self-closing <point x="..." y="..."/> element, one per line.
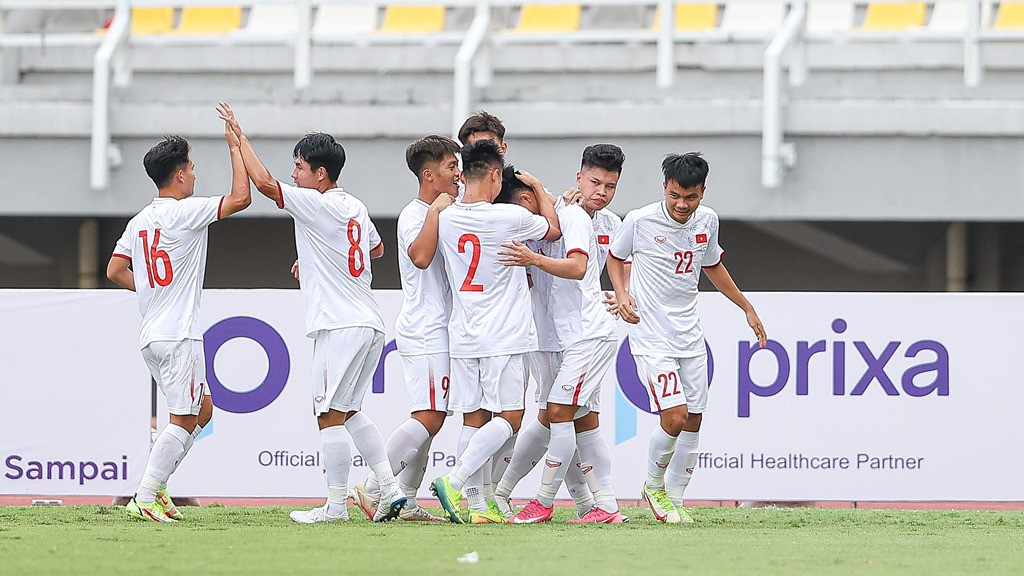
<point x="610" y="302"/>
<point x="119" y="272"/>
<point x="254" y="167"/>
<point x="573" y="266"/>
<point x="723" y="281"/>
<point x="241" y="194"/>
<point x="626" y="303"/>
<point x="545" y="202"/>
<point x="423" y="248"/>
<point x="377" y="251"/>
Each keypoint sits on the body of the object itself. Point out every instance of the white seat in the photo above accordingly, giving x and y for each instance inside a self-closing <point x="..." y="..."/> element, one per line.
<point x="948" y="15"/>
<point x="345" y="19"/>
<point x="752" y="16"/>
<point x="275" y="19"/>
<point x="826" y="17"/>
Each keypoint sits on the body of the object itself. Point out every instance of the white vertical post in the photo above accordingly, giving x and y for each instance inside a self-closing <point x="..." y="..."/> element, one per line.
<point x="462" y="77"/>
<point x="303" y="50"/>
<point x="776" y="154"/>
<point x="99" y="148"/>
<point x="665" y="70"/>
<point x="972" y="47"/>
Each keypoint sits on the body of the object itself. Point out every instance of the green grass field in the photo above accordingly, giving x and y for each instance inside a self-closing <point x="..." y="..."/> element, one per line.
<point x="220" y="540"/>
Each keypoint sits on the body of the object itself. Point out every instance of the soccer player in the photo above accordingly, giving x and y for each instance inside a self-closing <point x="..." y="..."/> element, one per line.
<point x="491" y="327"/>
<point x="670" y="241"/>
<point x="567" y="277"/>
<point x="162" y="257"/>
<point x="422" y="325"/>
<point x="335" y="239"/>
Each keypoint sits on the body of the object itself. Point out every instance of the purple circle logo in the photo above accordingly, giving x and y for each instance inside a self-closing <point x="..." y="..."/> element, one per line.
<point x="629" y="381"/>
<point x="278" y="363"/>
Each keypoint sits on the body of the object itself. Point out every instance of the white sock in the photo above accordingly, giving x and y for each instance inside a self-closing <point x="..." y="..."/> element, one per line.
<point x="577" y="486"/>
<point x="410" y="479"/>
<point x="556" y="461"/>
<point x="485" y="478"/>
<point x="336" y="448"/>
<point x="596" y="459"/>
<point x="501" y="460"/>
<point x="484" y="443"/>
<point x="680" y="469"/>
<point x="168" y="450"/>
<point x="530" y="446"/>
<point x="474" y="491"/>
<point x="367" y="439"/>
<point x="402" y="446"/>
<point x="464" y="437"/>
<point x="659" y="452"/>
<point x="188" y="446"/>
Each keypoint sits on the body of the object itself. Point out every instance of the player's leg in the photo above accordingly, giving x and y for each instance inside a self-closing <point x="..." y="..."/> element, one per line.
<point x="664" y="389"/>
<point x="557" y="459"/>
<point x="693" y="372"/>
<point x="466" y="396"/>
<point x="596" y="463"/>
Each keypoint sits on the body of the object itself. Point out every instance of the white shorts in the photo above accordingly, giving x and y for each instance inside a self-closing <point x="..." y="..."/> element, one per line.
<point x="672" y="382"/>
<point x="578" y="383"/>
<point x="543" y="369"/>
<point x="427" y="379"/>
<point x="344" y="361"/>
<point x="179" y="368"/>
<point x="495" y="383"/>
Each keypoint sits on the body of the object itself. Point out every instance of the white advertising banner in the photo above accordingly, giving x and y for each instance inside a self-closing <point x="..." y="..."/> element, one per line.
<point x="74" y="393"/>
<point x="857" y="397"/>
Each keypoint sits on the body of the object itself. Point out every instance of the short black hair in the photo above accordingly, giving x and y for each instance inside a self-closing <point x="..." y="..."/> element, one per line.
<point x="687" y="170"/>
<point x="481" y="122"/>
<point x="321" y="150"/>
<point x="511" y="185"/>
<point x="164" y="159"/>
<point x="480" y="158"/>
<point x="429" y="149"/>
<point x="606" y="156"/>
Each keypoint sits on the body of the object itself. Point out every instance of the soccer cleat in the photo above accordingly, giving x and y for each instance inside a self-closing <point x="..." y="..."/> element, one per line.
<point x="390" y="505"/>
<point x="663" y="508"/>
<point x="599" y="516"/>
<point x="419" y="514"/>
<point x="490" y="516"/>
<point x="533" y="513"/>
<point x="151" y="511"/>
<point x="168" y="505"/>
<point x="503" y="505"/>
<point x="317" y="515"/>
<point x="684" y="515"/>
<point x="449" y="497"/>
<point x="366" y="501"/>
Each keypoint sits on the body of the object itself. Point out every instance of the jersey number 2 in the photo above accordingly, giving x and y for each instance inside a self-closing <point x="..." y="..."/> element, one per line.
<point x="356" y="262"/>
<point x="467" y="284"/>
<point x="154" y="255"/>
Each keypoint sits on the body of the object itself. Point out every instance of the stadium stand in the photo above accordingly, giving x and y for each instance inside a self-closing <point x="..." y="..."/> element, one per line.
<point x="400" y="19"/>
<point x="885" y="16"/>
<point x="549" y="18"/>
<point x="212" y="20"/>
<point x="1010" y="16"/>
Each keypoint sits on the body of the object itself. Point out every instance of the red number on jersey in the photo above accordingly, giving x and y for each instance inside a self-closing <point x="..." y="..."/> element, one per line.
<point x="684" y="257"/>
<point x="445" y="381"/>
<point x="664" y="380"/>
<point x="153" y="255"/>
<point x="356" y="260"/>
<point x="467" y="284"/>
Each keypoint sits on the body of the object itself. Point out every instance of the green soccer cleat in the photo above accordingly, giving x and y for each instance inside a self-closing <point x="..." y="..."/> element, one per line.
<point x="684" y="515"/>
<point x="491" y="516"/>
<point x="448" y="496"/>
<point x="168" y="505"/>
<point x="663" y="508"/>
<point x="150" y="511"/>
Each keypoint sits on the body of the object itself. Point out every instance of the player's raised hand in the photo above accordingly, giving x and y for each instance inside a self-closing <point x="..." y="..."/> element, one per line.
<point x="516" y="254"/>
<point x="627" y="309"/>
<point x="228" y="115"/>
<point x="442" y="201"/>
<point x="529" y="179"/>
<point x="295" y="269"/>
<point x="755" y="323"/>
<point x="573" y="196"/>
<point x="230" y="136"/>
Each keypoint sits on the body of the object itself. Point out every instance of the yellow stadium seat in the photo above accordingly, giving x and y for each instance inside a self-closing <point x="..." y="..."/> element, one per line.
<point x="150" y="21"/>
<point x="549" y="18"/>
<point x="692" y="17"/>
<point x="894" y="15"/>
<point x="413" y="19"/>
<point x="209" y="19"/>
<point x="1010" y="16"/>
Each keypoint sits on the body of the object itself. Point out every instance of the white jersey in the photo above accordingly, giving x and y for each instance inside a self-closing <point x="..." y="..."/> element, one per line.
<point x="606" y="224"/>
<point x="667" y="259"/>
<point x="491" y="312"/>
<point x="166" y="243"/>
<point x="422" y="324"/>
<point x="334" y="236"/>
<point x="573" y="307"/>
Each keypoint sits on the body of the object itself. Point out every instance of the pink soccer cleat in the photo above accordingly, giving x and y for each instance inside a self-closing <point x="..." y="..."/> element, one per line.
<point x="599" y="516"/>
<point x="533" y="513"/>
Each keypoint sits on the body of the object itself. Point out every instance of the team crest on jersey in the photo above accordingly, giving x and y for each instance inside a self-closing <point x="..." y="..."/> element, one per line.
<point x="602" y="239"/>
<point x="660" y="239"/>
<point x="702" y="238"/>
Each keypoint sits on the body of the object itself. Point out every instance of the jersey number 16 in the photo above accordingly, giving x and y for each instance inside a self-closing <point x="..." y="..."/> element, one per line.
<point x="154" y="255"/>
